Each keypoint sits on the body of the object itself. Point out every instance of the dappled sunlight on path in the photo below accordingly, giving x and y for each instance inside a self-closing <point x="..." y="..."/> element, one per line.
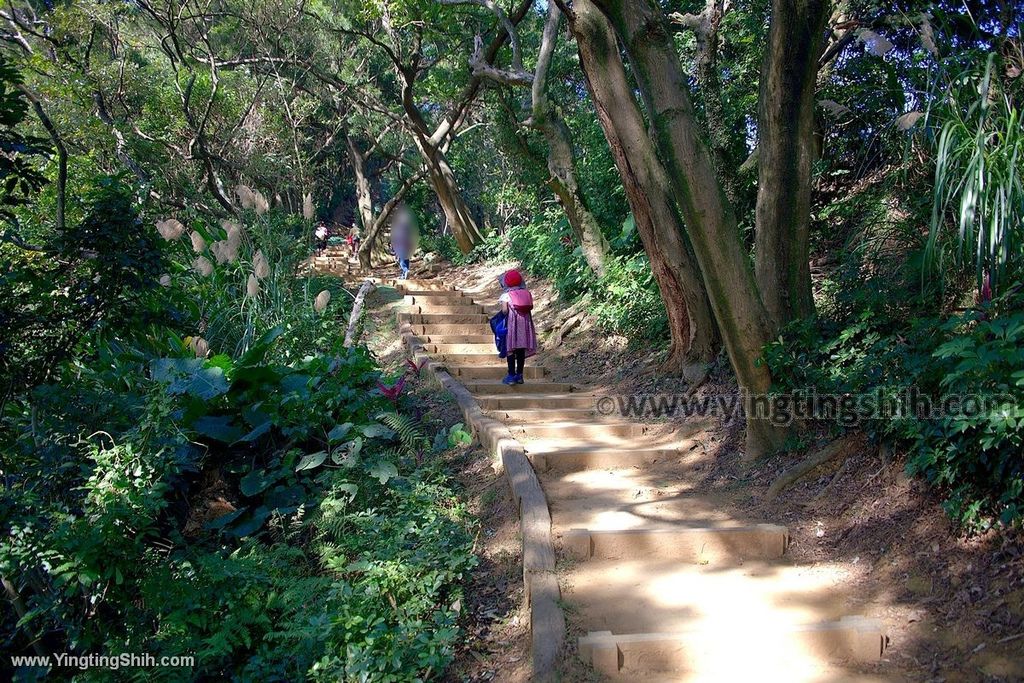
<point x="660" y="582"/>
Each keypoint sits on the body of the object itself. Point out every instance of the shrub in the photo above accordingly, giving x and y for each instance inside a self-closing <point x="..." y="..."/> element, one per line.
<point x="972" y="457"/>
<point x="207" y="471"/>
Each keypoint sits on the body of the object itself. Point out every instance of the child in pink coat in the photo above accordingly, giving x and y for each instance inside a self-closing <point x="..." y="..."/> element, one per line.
<point x="521" y="342"/>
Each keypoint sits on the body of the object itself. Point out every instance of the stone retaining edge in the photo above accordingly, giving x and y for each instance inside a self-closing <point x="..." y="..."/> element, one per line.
<point x="547" y="620"/>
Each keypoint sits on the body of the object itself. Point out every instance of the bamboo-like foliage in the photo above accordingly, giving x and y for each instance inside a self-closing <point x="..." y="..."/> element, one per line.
<point x="980" y="150"/>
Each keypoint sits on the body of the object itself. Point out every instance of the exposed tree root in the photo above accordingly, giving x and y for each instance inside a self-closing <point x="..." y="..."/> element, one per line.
<point x="839" y="447"/>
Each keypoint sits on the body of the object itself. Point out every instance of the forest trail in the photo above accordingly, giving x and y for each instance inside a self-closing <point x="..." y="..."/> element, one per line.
<point x="658" y="583"/>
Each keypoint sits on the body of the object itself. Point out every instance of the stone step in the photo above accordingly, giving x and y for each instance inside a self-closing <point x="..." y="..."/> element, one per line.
<point x="617" y="432"/>
<point x="483" y="388"/>
<point x="455" y="298"/>
<point x="543" y="415"/>
<point x="472" y="340"/>
<point x="436" y="332"/>
<point x="636" y="655"/>
<point x="575" y="459"/>
<point x="622" y="496"/>
<point x="553" y="400"/>
<point x="414" y="287"/>
<point x="435" y="309"/>
<point x="444" y="318"/>
<point x="486" y="347"/>
<point x="710" y="544"/>
<point x="490" y="357"/>
<point x="472" y="372"/>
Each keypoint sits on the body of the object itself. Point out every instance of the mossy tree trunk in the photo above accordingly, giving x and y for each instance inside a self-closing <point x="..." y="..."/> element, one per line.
<point x="708" y="216"/>
<point x="786" y="153"/>
<point x="562" y="154"/>
<point x="439" y="172"/>
<point x="373" y="222"/>
<point x="364" y="198"/>
<point x="692" y="327"/>
<point x="546" y="118"/>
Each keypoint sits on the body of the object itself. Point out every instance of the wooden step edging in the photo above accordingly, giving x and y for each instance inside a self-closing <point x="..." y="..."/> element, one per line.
<point x="547" y="620"/>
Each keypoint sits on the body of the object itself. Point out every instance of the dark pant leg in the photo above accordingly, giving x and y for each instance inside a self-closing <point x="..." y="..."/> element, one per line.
<point x="511" y="360"/>
<point x="520" y="360"/>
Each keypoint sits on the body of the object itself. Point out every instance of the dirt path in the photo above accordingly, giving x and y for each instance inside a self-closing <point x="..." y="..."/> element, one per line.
<point x="658" y="582"/>
<point x="877" y="545"/>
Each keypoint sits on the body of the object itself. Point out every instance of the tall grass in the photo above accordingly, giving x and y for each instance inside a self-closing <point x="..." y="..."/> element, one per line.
<point x="978" y="189"/>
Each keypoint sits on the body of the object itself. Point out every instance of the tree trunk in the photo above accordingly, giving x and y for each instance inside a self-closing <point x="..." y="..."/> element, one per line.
<point x="708" y="216"/>
<point x="357" y="312"/>
<point x="377" y="222"/>
<point x="456" y="211"/>
<point x="440" y="174"/>
<point x="62" y="154"/>
<point x="785" y="156"/>
<point x="709" y="81"/>
<point x="364" y="200"/>
<point x="562" y="155"/>
<point x="691" y="325"/>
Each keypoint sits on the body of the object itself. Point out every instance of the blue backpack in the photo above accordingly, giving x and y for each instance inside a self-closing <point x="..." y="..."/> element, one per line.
<point x="499" y="326"/>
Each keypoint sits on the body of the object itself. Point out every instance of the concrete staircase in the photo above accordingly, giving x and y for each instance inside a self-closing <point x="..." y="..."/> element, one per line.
<point x="334" y="260"/>
<point x="665" y="584"/>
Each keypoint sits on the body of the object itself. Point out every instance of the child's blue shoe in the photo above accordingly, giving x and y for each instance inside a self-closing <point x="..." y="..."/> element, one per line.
<point x="509" y="379"/>
<point x="519" y="379"/>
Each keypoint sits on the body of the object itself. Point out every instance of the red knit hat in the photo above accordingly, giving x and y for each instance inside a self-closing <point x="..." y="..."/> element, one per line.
<point x="512" y="278"/>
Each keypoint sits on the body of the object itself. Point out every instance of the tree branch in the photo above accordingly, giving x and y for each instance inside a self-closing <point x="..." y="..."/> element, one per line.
<point x="62" y="153"/>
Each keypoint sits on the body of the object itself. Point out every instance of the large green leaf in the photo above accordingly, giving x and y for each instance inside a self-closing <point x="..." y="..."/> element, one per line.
<point x="259" y="349"/>
<point x="311" y="460"/>
<point x="224" y="520"/>
<point x="383" y="471"/>
<point x="339" y="432"/>
<point x="204" y="383"/>
<point x="249" y="523"/>
<point x="219" y="427"/>
<point x="257" y="481"/>
<point x="256" y="432"/>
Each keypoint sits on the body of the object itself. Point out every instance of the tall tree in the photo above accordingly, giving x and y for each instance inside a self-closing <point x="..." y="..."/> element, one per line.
<point x="710" y="220"/>
<point x="786" y="152"/>
<point x="545" y="117"/>
<point x="407" y="45"/>
<point x="708" y="215"/>
<point x="372" y="219"/>
<point x="694" y="337"/>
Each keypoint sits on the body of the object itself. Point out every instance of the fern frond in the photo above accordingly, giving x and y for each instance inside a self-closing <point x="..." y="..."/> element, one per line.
<point x="409" y="430"/>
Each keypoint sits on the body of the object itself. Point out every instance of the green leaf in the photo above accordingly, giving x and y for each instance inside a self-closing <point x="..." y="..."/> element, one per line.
<point x="206" y="383"/>
<point x="440" y="442"/>
<point x="258" y="351"/>
<point x="224" y="520"/>
<point x="256" y="433"/>
<point x="221" y="360"/>
<point x="256" y="481"/>
<point x="383" y="470"/>
<point x="250" y="523"/>
<point x="296" y="383"/>
<point x="218" y="427"/>
<point x="372" y="431"/>
<point x="350" y="489"/>
<point x="285" y="498"/>
<point x="311" y="460"/>
<point x="457" y="435"/>
<point x="339" y="432"/>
